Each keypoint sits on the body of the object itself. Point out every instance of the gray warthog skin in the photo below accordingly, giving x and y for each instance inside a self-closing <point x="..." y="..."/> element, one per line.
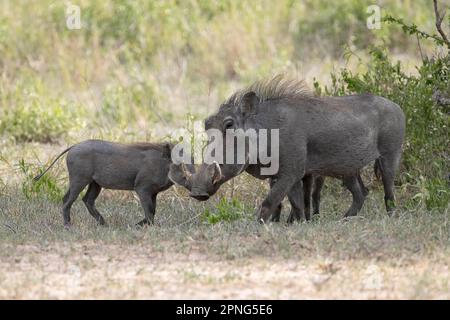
<point x="323" y="136"/>
<point x="142" y="167"/>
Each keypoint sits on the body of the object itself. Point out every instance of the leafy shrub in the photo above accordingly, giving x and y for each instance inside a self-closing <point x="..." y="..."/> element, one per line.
<point x="431" y="192"/>
<point x="33" y="122"/>
<point x="46" y="187"/>
<point x="225" y="211"/>
<point x="30" y="112"/>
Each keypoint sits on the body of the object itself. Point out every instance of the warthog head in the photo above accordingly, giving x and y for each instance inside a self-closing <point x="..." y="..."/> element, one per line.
<point x="201" y="184"/>
<point x="204" y="181"/>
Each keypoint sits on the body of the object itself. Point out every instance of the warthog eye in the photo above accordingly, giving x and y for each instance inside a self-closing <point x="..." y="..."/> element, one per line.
<point x="228" y="124"/>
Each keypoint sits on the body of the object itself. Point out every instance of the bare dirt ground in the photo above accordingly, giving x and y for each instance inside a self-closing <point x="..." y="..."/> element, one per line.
<point x="130" y="272"/>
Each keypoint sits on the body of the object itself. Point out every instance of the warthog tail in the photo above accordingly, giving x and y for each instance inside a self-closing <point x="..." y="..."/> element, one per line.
<point x="51" y="165"/>
<point x="378" y="169"/>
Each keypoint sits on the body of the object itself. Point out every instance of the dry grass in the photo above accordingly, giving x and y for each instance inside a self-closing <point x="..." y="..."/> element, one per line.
<point x="371" y="256"/>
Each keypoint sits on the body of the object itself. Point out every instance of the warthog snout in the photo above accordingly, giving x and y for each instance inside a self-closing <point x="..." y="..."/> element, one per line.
<point x="200" y="196"/>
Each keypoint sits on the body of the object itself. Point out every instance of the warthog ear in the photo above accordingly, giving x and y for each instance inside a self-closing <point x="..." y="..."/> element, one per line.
<point x="249" y="102"/>
<point x="179" y="174"/>
<point x="167" y="150"/>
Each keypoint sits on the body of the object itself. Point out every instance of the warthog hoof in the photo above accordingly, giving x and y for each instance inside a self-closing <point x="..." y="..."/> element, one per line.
<point x="392" y="212"/>
<point x="275" y="218"/>
<point x="351" y="213"/>
<point x="290" y="219"/>
<point x="144" y="223"/>
<point x="102" y="222"/>
<point x="263" y="214"/>
<point x="67" y="225"/>
<point x="297" y="216"/>
<point x="346" y="219"/>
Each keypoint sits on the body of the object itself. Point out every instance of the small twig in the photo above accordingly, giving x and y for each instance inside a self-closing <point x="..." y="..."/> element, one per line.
<point x="10" y="228"/>
<point x="420" y="47"/>
<point x="439" y="19"/>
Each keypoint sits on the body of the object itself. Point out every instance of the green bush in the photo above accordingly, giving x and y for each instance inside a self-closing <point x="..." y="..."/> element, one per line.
<point x="46" y="187"/>
<point x="33" y="122"/>
<point x="29" y="111"/>
<point x="225" y="211"/>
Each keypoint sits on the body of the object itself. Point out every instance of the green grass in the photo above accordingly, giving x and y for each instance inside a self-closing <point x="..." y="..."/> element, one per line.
<point x="226" y="210"/>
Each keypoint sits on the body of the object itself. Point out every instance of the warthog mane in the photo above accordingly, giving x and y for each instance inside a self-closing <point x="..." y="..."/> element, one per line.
<point x="277" y="87"/>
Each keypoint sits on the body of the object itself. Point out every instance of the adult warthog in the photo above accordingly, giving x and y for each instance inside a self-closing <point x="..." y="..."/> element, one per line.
<point x="324" y="136"/>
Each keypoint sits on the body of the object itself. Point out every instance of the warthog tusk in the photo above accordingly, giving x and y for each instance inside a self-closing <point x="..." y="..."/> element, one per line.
<point x="185" y="171"/>
<point x="220" y="171"/>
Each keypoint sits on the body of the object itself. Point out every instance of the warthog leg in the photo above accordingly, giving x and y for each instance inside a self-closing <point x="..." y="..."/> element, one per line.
<point x="75" y="187"/>
<point x="89" y="200"/>
<point x="276" y="194"/>
<point x="355" y="188"/>
<point x="364" y="189"/>
<point x="276" y="215"/>
<point x="295" y="196"/>
<point x="318" y="185"/>
<point x="307" y="189"/>
<point x="148" y="202"/>
<point x="388" y="167"/>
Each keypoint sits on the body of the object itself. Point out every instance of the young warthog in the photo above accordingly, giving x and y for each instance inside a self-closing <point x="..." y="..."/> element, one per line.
<point x="142" y="167"/>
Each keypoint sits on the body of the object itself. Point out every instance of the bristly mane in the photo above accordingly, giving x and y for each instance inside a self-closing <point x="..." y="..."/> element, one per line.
<point x="277" y="87"/>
